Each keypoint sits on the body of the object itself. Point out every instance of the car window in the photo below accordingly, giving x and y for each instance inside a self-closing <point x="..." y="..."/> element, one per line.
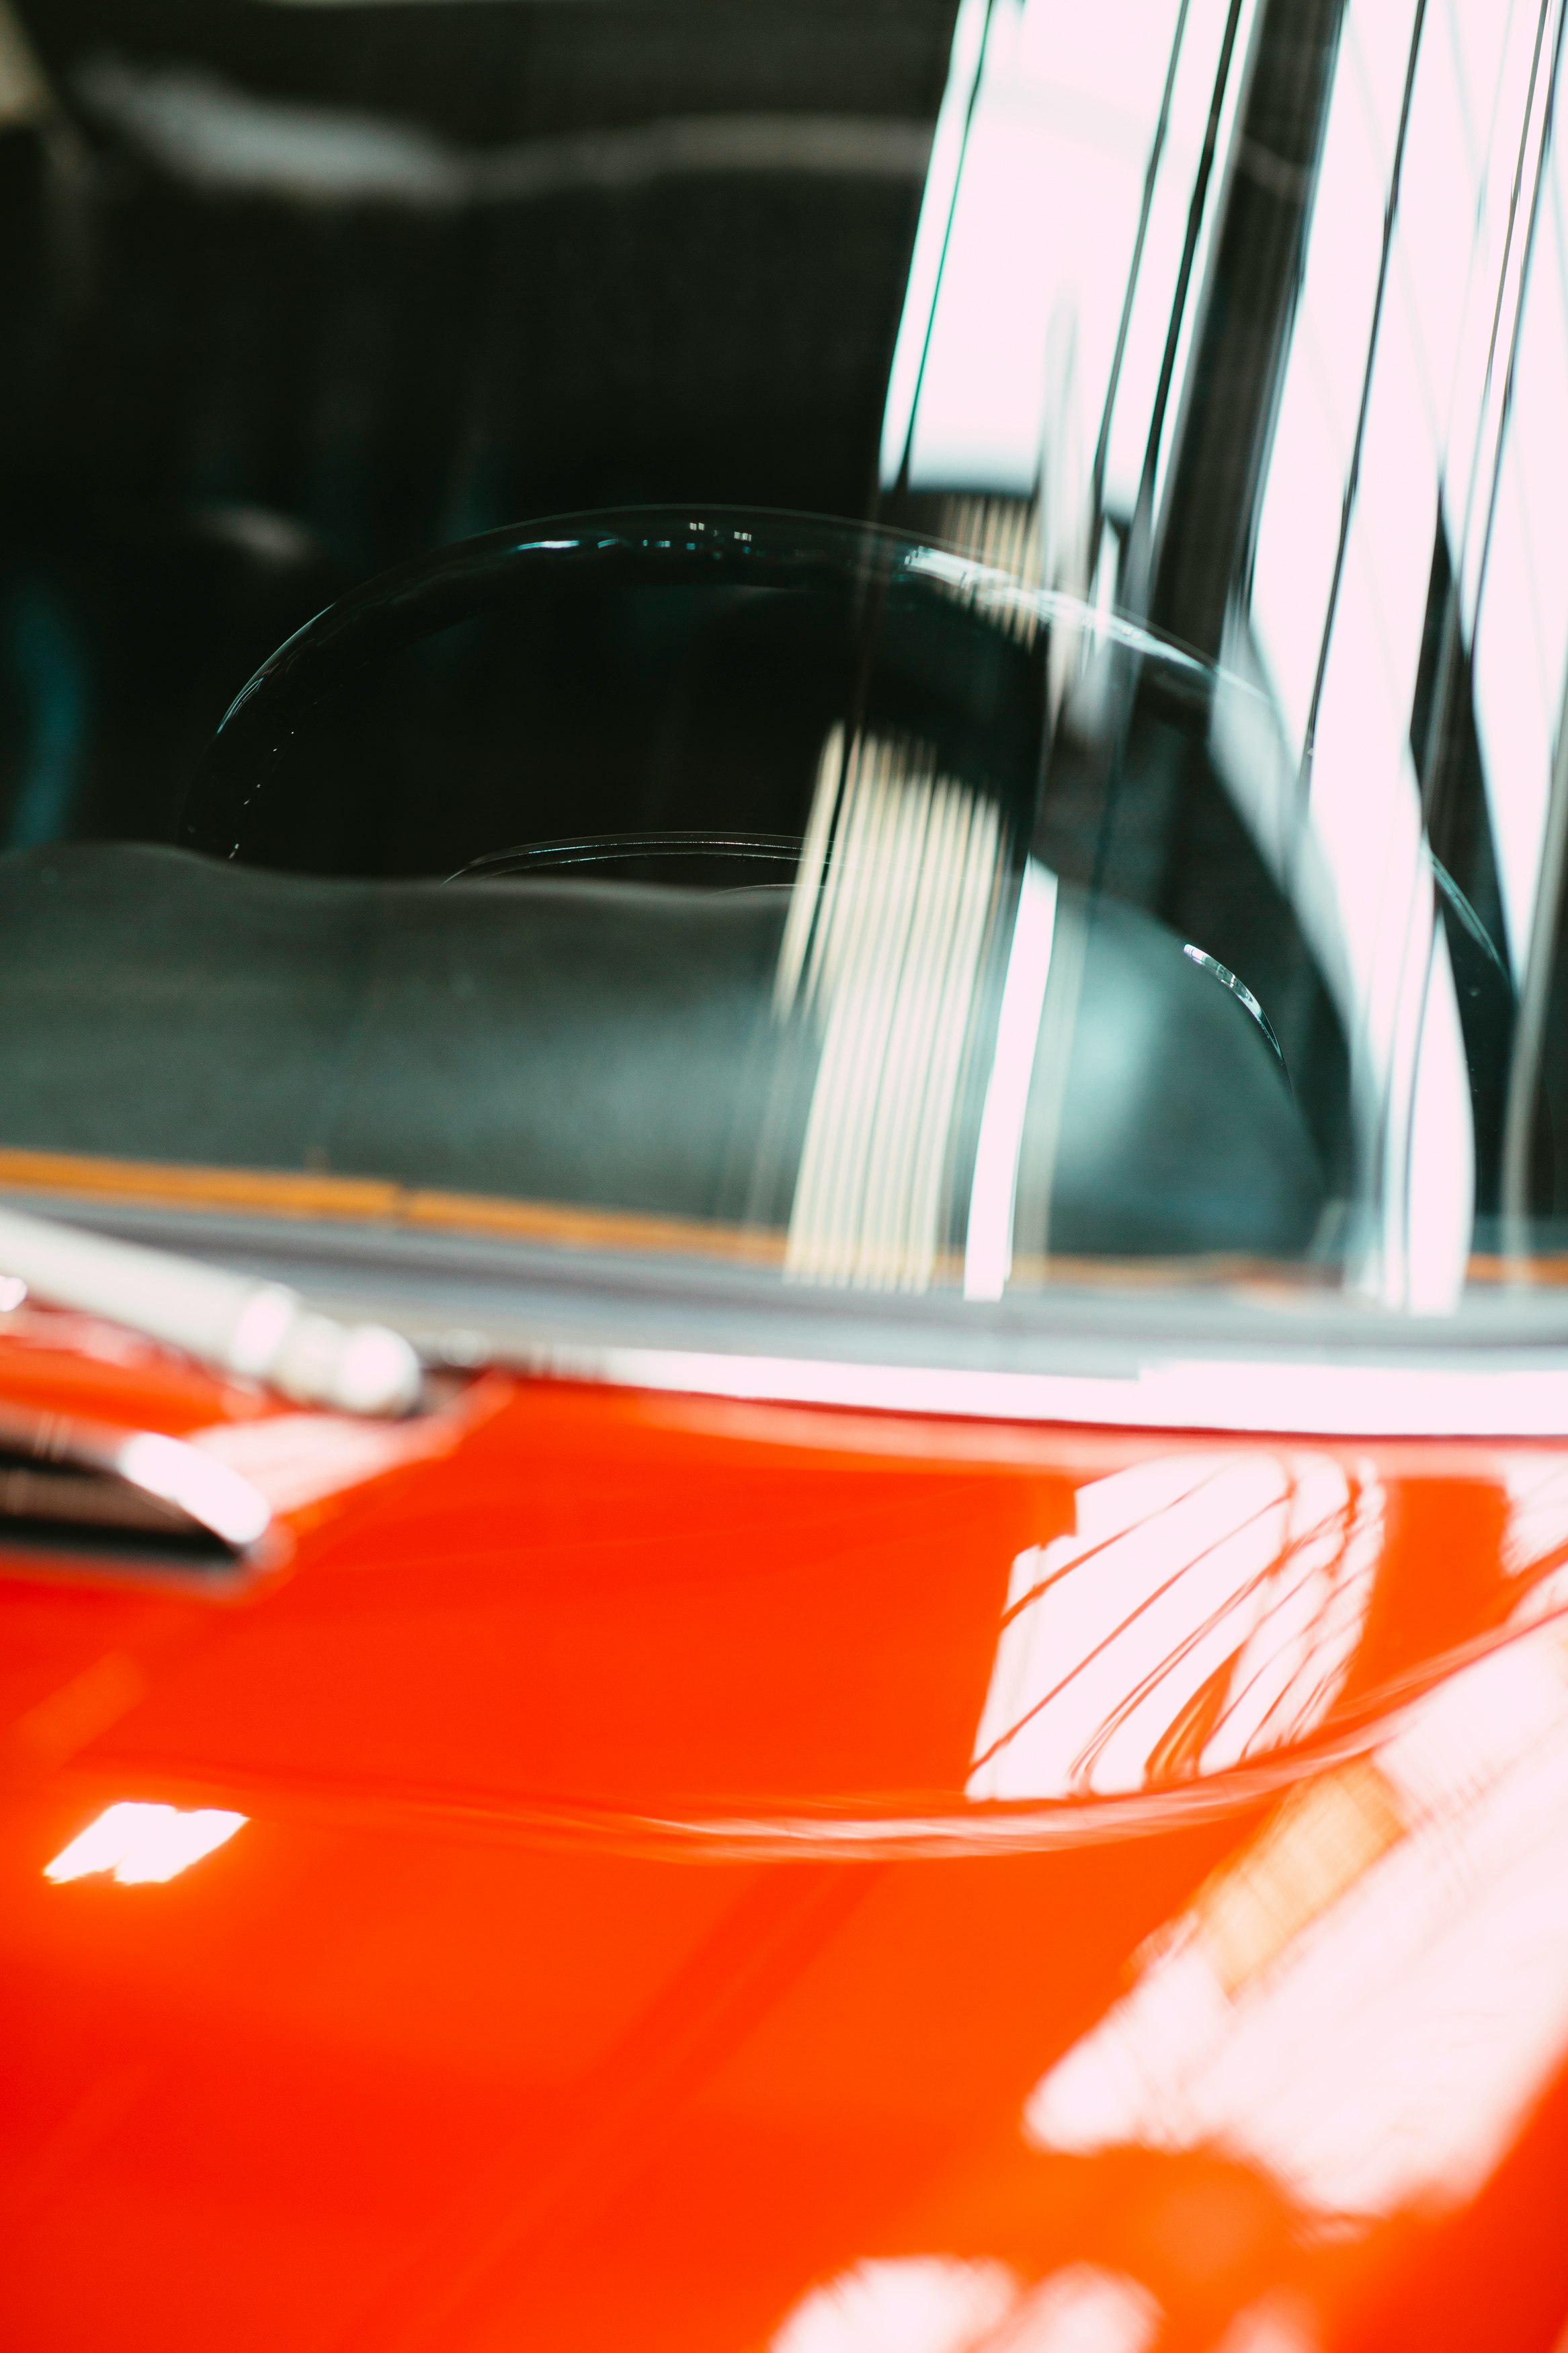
<point x="886" y="650"/>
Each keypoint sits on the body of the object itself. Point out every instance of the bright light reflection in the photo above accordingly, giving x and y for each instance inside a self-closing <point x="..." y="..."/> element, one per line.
<point x="1537" y="1529"/>
<point x="1276" y="2324"/>
<point x="939" y="2304"/>
<point x="1299" y="526"/>
<point x="988" y="1250"/>
<point x="921" y="2303"/>
<point x="930" y="237"/>
<point x="1192" y="102"/>
<point x="1369" y="2000"/>
<point x="141" y="1843"/>
<point x="210" y="1492"/>
<point x="1060" y="131"/>
<point x="1206" y="1609"/>
<point x="1519" y="114"/>
<point x="1521" y="633"/>
<point x="1081" y="2309"/>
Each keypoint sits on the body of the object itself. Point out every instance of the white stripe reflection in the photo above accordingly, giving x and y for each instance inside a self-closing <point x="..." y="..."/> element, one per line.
<point x="1000" y="536"/>
<point x="1198" y="88"/>
<point x="1521" y="630"/>
<point x="1390" y="414"/>
<point x="1516" y="131"/>
<point x="882" y="948"/>
<point x="1064" y="117"/>
<point x="948" y="145"/>
<point x="1204" y="1611"/>
<point x="988" y="1251"/>
<point x="1152" y="313"/>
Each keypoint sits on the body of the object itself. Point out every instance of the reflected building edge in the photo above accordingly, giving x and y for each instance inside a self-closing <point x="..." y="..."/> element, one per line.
<point x="1211" y="1609"/>
<point x="1205" y="1610"/>
<point x="1242" y="321"/>
<point x="1249" y="322"/>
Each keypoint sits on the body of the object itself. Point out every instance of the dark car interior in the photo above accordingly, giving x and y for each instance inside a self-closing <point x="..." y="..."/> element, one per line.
<point x="297" y="294"/>
<point x="641" y="255"/>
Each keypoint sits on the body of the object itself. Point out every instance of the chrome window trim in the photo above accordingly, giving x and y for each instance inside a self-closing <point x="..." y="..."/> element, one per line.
<point x="1238" y="1396"/>
<point x="1156" y="1362"/>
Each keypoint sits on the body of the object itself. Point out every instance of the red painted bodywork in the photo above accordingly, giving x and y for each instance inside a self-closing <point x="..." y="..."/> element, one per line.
<point x="543" y="1999"/>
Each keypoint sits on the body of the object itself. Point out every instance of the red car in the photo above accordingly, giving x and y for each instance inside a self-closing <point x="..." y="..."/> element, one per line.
<point x="784" y="1402"/>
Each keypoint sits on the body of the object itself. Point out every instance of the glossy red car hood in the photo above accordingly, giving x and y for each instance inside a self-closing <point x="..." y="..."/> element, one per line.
<point x="716" y="1876"/>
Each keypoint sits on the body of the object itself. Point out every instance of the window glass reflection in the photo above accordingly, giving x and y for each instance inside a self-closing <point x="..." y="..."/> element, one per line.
<point x="999" y="456"/>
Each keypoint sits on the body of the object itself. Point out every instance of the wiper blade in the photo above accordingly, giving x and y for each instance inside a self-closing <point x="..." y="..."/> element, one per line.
<point x="238" y="1325"/>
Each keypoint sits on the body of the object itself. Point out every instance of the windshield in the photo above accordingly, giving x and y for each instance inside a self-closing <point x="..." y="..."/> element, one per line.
<point x="904" y="653"/>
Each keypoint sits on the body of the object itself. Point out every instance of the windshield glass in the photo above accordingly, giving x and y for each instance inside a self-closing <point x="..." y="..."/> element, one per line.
<point x="919" y="651"/>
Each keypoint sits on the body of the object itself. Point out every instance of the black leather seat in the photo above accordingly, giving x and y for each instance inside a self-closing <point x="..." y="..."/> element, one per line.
<point x="576" y="1041"/>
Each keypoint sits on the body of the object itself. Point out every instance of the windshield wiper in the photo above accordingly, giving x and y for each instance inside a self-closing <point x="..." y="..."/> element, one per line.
<point x="235" y="1322"/>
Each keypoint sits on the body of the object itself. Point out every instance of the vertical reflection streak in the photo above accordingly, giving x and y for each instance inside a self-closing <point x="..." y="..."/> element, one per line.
<point x="977" y="887"/>
<point x="1522" y="60"/>
<point x="861" y="964"/>
<point x="931" y="235"/>
<point x="888" y="925"/>
<point x="878" y="987"/>
<point x="1337" y="615"/>
<point x="1439" y="1187"/>
<point x="1219" y="126"/>
<point x="1063" y="117"/>
<point x="1135" y="269"/>
<point x="1353" y="62"/>
<point x="806" y="896"/>
<point x="906" y="1074"/>
<point x="1312" y="467"/>
<point x="988" y="1248"/>
<point x="1520" y="572"/>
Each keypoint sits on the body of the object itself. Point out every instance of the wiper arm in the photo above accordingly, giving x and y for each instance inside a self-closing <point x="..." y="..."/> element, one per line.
<point x="235" y="1322"/>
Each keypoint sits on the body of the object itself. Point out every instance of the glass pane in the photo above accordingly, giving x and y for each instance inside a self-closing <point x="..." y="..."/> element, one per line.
<point x="1031" y="754"/>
